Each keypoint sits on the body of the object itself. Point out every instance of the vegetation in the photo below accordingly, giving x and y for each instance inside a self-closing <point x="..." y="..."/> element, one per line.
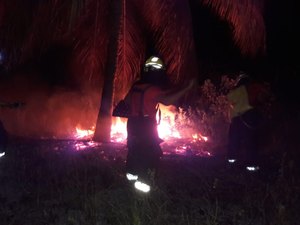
<point x="48" y="182"/>
<point x="55" y="55"/>
<point x="52" y="182"/>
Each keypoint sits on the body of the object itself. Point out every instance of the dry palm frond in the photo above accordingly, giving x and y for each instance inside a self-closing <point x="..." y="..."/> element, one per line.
<point x="90" y="44"/>
<point x="246" y="18"/>
<point x="131" y="49"/>
<point x="52" y="21"/>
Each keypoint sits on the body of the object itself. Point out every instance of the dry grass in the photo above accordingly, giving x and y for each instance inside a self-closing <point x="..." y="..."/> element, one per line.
<point x="47" y="182"/>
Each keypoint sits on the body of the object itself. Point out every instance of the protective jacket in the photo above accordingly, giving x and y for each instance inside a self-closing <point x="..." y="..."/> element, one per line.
<point x="239" y="100"/>
<point x="142" y="136"/>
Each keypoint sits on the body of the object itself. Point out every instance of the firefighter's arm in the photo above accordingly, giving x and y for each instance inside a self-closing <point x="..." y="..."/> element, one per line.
<point x="171" y="97"/>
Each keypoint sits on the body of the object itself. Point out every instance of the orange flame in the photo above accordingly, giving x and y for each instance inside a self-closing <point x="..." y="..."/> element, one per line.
<point x="84" y="133"/>
<point x="118" y="131"/>
<point x="167" y="129"/>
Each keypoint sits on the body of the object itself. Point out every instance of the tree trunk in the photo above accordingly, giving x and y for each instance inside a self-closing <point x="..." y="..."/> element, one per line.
<point x="103" y="125"/>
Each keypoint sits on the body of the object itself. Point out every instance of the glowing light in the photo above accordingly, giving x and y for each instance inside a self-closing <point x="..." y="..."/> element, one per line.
<point x="181" y="150"/>
<point x="118" y="131"/>
<point x="252" y="168"/>
<point x="167" y="126"/>
<point x="2" y="154"/>
<point x="142" y="186"/>
<point x="231" y="160"/>
<point x="180" y="138"/>
<point x="81" y="133"/>
<point x="84" y="145"/>
<point x="199" y="137"/>
<point x="131" y="176"/>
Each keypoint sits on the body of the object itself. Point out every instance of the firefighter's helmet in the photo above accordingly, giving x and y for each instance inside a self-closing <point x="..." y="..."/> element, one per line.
<point x="154" y="63"/>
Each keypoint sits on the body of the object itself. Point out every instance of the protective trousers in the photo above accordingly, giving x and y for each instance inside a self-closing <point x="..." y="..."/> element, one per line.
<point x="144" y="151"/>
<point x="243" y="137"/>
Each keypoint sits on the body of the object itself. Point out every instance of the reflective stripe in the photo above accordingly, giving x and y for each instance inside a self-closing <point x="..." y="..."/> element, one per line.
<point x="142" y="186"/>
<point x="131" y="176"/>
<point x="231" y="160"/>
<point x="252" y="168"/>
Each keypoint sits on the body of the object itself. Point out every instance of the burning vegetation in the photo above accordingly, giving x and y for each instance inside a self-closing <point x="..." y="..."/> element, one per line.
<point x="63" y="58"/>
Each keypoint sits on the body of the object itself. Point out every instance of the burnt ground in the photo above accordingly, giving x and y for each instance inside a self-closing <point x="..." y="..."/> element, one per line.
<point x="53" y="182"/>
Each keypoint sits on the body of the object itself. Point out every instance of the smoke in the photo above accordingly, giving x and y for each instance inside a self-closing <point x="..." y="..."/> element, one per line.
<point x="49" y="112"/>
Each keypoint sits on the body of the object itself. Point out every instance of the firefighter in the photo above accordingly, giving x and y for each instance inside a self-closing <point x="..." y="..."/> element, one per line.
<point x="246" y="120"/>
<point x="143" y="142"/>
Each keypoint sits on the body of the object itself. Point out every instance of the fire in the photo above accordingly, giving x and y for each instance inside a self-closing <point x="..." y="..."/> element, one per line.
<point x="84" y="145"/>
<point x="118" y="131"/>
<point x="185" y="139"/>
<point x="199" y="137"/>
<point x="167" y="126"/>
<point x="81" y="133"/>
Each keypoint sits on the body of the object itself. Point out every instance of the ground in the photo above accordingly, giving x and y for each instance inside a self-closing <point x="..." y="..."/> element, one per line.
<point x="59" y="182"/>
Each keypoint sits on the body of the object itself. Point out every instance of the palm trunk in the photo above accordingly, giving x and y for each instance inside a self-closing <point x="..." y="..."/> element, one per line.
<point x="103" y="125"/>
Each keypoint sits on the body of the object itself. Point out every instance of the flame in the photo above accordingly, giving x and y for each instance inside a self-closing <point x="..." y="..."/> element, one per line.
<point x="84" y="133"/>
<point x="199" y="137"/>
<point x="167" y="129"/>
<point x="118" y="131"/>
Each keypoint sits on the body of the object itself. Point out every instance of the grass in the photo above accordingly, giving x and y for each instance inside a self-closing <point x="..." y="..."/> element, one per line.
<point x="47" y="182"/>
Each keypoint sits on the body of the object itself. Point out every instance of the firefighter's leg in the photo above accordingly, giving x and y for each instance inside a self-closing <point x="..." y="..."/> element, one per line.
<point x="233" y="140"/>
<point x="251" y="149"/>
<point x="132" y="161"/>
<point x="251" y="140"/>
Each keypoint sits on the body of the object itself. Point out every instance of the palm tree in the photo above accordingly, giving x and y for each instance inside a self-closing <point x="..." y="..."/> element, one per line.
<point x="169" y="26"/>
<point x="110" y="58"/>
<point x="102" y="131"/>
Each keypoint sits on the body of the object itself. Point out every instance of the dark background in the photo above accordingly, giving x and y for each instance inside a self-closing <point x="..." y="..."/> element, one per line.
<point x="279" y="66"/>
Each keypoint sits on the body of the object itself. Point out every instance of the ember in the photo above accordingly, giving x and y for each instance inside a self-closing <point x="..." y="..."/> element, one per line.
<point x="84" y="145"/>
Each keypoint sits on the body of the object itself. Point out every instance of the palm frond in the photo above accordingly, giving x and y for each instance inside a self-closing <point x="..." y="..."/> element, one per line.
<point x="131" y="49"/>
<point x="52" y="21"/>
<point x="246" y="18"/>
<point x="171" y="26"/>
<point x="90" y="40"/>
